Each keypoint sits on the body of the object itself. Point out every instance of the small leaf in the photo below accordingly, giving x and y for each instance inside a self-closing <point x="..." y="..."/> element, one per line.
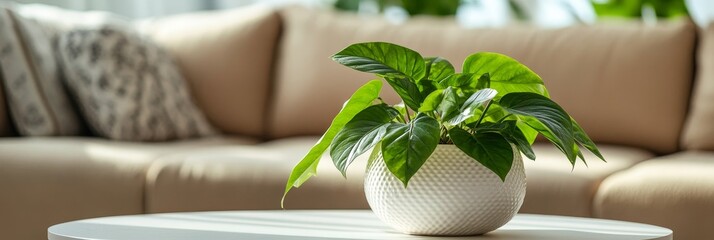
<point x="484" y="81"/>
<point x="490" y="149"/>
<point x="364" y="131"/>
<point x="459" y="80"/>
<point x="383" y="58"/>
<point x="468" y="109"/>
<point x="407" y="146"/>
<point x="506" y="74"/>
<point x="550" y="119"/>
<point x="432" y="101"/>
<point x="307" y="167"/>
<point x="510" y="131"/>
<point x="407" y="90"/>
<point x="438" y="68"/>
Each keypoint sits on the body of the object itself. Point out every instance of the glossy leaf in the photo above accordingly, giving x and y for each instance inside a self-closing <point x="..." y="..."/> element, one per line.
<point x="506" y="74"/>
<point x="407" y="90"/>
<point x="383" y="58"/>
<point x="582" y="138"/>
<point x="307" y="167"/>
<point x="554" y="122"/>
<point x="364" y="131"/>
<point x="438" y="68"/>
<point x="510" y="131"/>
<point x="407" y="146"/>
<point x="490" y="149"/>
<point x="468" y="108"/>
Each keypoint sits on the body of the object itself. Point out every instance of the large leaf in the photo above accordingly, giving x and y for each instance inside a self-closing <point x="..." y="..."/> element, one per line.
<point x="407" y="146"/>
<point x="554" y="122"/>
<point x="383" y="58"/>
<point x="469" y="107"/>
<point x="307" y="167"/>
<point x="506" y="74"/>
<point x="490" y="149"/>
<point x="407" y="90"/>
<point x="509" y="130"/>
<point x="364" y="131"/>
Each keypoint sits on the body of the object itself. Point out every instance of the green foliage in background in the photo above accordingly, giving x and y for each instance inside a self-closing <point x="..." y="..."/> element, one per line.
<point x="633" y="8"/>
<point x="413" y="7"/>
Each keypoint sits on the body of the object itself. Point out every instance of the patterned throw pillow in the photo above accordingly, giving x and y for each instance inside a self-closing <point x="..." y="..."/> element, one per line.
<point x="127" y="87"/>
<point x="36" y="98"/>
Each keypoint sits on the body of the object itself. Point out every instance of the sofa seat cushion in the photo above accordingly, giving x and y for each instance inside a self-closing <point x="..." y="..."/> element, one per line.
<point x="46" y="181"/>
<point x="675" y="191"/>
<point x="254" y="177"/>
<point x="555" y="187"/>
<point x="249" y="177"/>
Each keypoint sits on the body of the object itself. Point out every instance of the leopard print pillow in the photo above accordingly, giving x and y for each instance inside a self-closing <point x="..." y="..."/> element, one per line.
<point x="127" y="87"/>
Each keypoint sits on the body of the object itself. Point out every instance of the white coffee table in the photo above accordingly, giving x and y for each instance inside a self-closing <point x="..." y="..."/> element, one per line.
<point x="328" y="224"/>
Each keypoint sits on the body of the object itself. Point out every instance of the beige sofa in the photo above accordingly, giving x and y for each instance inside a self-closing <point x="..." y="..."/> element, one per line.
<point x="264" y="78"/>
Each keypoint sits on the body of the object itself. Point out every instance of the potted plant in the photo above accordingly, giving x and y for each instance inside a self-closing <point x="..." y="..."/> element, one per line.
<point x="448" y="160"/>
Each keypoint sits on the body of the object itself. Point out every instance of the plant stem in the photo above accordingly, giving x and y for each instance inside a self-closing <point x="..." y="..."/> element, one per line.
<point x="406" y="111"/>
<point x="483" y="114"/>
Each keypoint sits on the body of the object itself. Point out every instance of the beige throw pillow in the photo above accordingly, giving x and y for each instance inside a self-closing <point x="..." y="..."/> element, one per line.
<point x="127" y="87"/>
<point x="36" y="97"/>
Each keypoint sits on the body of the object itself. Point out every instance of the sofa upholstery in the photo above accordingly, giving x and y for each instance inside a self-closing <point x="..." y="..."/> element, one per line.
<point x="264" y="78"/>
<point x="226" y="57"/>
<point x="699" y="130"/>
<point x="49" y="180"/>
<point x="676" y="191"/>
<point x="4" y="114"/>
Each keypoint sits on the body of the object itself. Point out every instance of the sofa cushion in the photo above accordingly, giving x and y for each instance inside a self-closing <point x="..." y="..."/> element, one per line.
<point x="36" y="98"/>
<point x="46" y="181"/>
<point x="555" y="187"/>
<point x="227" y="58"/>
<point x="699" y="130"/>
<point x="249" y="177"/>
<point x="626" y="84"/>
<point x="127" y="87"/>
<point x="675" y="191"/>
<point x="253" y="177"/>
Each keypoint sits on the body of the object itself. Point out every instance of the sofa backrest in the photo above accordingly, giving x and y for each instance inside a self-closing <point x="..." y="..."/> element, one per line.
<point x="699" y="129"/>
<point x="4" y="114"/>
<point x="625" y="84"/>
<point x="227" y="57"/>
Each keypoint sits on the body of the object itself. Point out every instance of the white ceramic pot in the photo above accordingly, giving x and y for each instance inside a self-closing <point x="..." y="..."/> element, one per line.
<point x="451" y="194"/>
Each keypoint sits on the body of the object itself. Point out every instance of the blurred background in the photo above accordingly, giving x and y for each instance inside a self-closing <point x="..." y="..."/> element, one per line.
<point x="469" y="13"/>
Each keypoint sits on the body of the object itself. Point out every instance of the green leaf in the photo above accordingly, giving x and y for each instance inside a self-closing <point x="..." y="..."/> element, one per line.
<point x="552" y="121"/>
<point x="432" y="101"/>
<point x="490" y="149"/>
<point x="383" y="58"/>
<point x="468" y="109"/>
<point x="407" y="146"/>
<point x="407" y="90"/>
<point x="364" y="131"/>
<point x="449" y="104"/>
<point x="307" y="167"/>
<point x="458" y="80"/>
<point x="506" y="74"/>
<point x="438" y="68"/>
<point x="509" y="130"/>
<point x="484" y="81"/>
<point x="582" y="138"/>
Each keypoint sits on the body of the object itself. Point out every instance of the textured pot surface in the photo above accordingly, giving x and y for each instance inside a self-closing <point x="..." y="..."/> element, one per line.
<point x="451" y="194"/>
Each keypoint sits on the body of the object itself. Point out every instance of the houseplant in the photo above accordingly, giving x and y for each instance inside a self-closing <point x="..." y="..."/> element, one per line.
<point x="466" y="130"/>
